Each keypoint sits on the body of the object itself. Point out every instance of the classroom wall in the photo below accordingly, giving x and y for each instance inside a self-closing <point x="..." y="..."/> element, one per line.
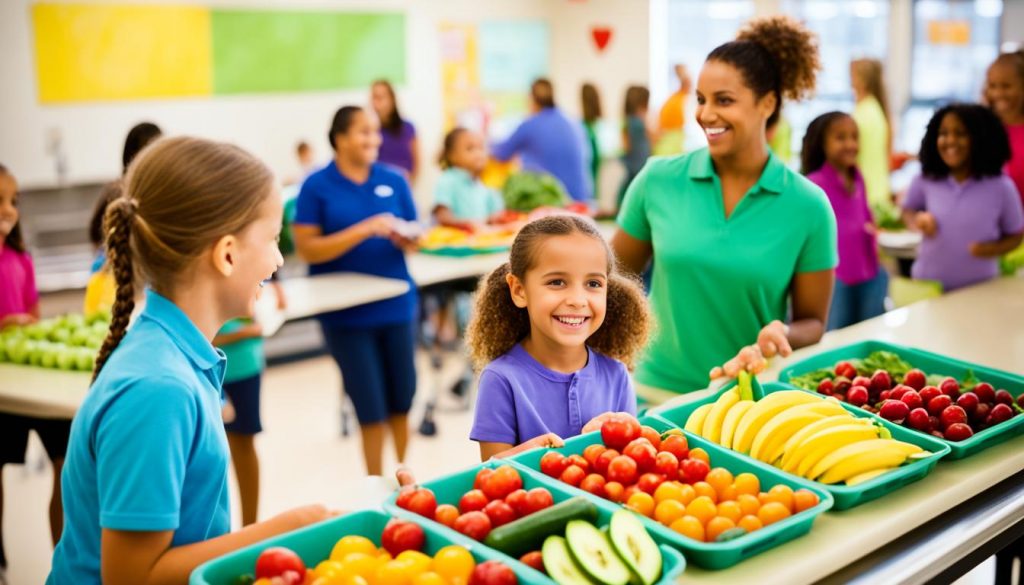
<point x="271" y="125"/>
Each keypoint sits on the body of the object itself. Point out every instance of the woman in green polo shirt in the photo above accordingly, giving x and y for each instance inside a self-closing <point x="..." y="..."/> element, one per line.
<point x="739" y="241"/>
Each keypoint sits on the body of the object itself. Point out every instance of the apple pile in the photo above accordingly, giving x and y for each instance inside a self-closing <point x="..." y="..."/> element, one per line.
<point x="68" y="342"/>
<point x="946" y="410"/>
<point x="356" y="560"/>
<point x="497" y="498"/>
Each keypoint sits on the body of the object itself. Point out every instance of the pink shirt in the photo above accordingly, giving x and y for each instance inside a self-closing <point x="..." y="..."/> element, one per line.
<point x="1015" y="167"/>
<point x="18" y="292"/>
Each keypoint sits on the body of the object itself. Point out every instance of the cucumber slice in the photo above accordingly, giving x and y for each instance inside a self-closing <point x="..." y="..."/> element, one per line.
<point x="636" y="547"/>
<point x="593" y="550"/>
<point x="559" y="565"/>
<point x="528" y="533"/>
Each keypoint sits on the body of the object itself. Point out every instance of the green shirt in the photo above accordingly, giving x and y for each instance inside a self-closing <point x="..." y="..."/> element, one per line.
<point x="245" y="357"/>
<point x="716" y="282"/>
<point x="873" y="156"/>
<point x="467" y="198"/>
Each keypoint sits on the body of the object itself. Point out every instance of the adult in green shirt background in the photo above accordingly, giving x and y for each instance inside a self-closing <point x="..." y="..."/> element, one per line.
<point x="872" y="117"/>
<point x="738" y="240"/>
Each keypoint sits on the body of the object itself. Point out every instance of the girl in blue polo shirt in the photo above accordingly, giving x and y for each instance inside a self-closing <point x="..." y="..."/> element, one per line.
<point x="145" y="481"/>
<point x="345" y="221"/>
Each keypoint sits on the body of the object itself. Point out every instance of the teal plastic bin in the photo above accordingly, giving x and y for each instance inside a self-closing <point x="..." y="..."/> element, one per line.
<point x="314" y="544"/>
<point x="845" y="496"/>
<point x="930" y="363"/>
<point x="460" y="251"/>
<point x="449" y="489"/>
<point x="717" y="555"/>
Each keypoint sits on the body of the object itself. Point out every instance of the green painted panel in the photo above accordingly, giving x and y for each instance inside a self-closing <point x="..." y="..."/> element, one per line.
<point x="262" y="51"/>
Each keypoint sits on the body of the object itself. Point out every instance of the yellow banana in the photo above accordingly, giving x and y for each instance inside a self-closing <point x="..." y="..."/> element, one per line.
<point x="763" y="411"/>
<point x="732" y="418"/>
<point x="794" y="442"/>
<point x="820" y="445"/>
<point x="861" y="457"/>
<point x="712" y="429"/>
<point x="695" y="423"/>
<point x="867" y="476"/>
<point x="768" y="443"/>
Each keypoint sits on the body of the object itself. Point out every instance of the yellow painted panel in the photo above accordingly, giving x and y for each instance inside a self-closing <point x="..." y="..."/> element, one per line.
<point x="88" y="52"/>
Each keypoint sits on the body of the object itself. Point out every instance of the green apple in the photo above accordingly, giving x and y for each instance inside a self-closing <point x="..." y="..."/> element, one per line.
<point x="67" y="358"/>
<point x="86" y="359"/>
<point x="48" y="358"/>
<point x="19" y="350"/>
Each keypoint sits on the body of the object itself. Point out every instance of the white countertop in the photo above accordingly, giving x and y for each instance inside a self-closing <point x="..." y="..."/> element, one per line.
<point x="49" y="393"/>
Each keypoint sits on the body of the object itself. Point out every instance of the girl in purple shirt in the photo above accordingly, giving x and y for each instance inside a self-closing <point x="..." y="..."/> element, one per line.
<point x="554" y="329"/>
<point x="968" y="211"/>
<point x="829" y="159"/>
<point x="398" y="146"/>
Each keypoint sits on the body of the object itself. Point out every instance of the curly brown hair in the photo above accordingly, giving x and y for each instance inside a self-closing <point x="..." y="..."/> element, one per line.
<point x="775" y="54"/>
<point x="497" y="324"/>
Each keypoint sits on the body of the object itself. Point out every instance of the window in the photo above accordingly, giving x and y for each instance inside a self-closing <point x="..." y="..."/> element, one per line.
<point x="685" y="32"/>
<point x="846" y="31"/>
<point x="954" y="43"/>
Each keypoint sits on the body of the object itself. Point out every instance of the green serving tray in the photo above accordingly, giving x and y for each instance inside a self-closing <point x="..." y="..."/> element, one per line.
<point x="930" y="363"/>
<point x="314" y="544"/>
<point x="717" y="555"/>
<point x="845" y="496"/>
<point x="449" y="489"/>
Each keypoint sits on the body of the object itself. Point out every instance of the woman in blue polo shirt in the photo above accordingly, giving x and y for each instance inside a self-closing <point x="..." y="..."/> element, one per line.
<point x="344" y="222"/>
<point x="738" y="240"/>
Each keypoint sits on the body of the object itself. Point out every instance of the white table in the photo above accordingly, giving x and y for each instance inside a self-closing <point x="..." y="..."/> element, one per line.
<point x="982" y="324"/>
<point x="48" y="393"/>
<point x="900" y="243"/>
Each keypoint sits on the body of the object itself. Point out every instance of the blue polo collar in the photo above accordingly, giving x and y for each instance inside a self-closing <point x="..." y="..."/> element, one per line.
<point x="182" y="331"/>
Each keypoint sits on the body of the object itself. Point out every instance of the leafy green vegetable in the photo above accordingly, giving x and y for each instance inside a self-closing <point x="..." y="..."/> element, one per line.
<point x="887" y="216"/>
<point x="879" y="360"/>
<point x="526" y="191"/>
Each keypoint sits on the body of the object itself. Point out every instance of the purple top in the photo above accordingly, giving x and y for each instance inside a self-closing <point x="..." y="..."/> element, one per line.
<point x="979" y="210"/>
<point x="858" y="255"/>
<point x="18" y="292"/>
<point x="396" y="149"/>
<point x="521" y="399"/>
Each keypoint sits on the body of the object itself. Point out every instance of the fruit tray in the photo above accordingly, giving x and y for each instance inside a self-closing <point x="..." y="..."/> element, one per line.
<point x="931" y="363"/>
<point x="314" y="543"/>
<point x="450" y="488"/>
<point x="717" y="555"/>
<point x="845" y="496"/>
<point x="459" y="251"/>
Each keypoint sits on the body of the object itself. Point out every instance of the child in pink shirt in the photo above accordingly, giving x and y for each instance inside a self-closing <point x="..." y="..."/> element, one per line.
<point x="19" y="305"/>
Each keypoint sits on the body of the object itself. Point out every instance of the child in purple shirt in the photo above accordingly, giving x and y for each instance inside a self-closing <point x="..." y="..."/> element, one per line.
<point x="969" y="212"/>
<point x="829" y="159"/>
<point x="556" y="328"/>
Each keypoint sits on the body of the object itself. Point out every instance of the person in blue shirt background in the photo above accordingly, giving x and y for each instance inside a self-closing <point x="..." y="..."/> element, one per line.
<point x="345" y="221"/>
<point x="145" y="487"/>
<point x="549" y="142"/>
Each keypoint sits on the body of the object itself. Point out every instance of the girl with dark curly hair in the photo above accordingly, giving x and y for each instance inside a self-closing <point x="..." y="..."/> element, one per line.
<point x="829" y="159"/>
<point x="554" y="330"/>
<point x="968" y="211"/>
<point x="739" y="242"/>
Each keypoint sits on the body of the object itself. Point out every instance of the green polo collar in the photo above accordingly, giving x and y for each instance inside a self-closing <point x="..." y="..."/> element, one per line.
<point x="771" y="179"/>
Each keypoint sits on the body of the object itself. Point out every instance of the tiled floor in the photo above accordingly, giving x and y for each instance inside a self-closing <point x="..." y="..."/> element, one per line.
<point x="304" y="459"/>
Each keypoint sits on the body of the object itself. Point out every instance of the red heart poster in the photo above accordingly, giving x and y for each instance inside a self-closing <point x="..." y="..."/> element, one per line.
<point x="602" y="35"/>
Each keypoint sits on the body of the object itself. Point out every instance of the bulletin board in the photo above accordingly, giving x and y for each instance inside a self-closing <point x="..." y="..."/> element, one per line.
<point x="104" y="52"/>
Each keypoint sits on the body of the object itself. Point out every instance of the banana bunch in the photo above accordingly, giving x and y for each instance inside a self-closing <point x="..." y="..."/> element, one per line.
<point x="803" y="434"/>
